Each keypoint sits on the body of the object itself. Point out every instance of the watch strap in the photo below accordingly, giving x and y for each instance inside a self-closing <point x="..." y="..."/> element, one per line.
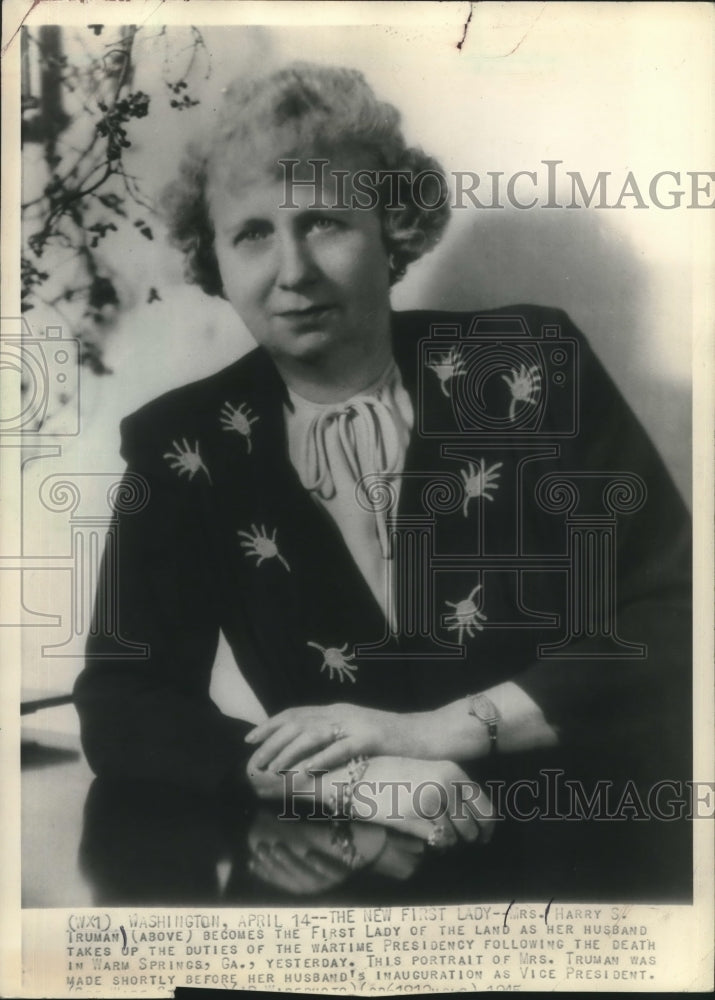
<point x="484" y="709"/>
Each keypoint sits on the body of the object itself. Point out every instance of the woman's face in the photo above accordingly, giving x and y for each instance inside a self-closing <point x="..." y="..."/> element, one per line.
<point x="307" y="282"/>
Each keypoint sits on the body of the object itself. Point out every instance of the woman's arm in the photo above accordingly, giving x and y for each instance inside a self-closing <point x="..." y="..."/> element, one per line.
<point x="297" y="736"/>
<point x="149" y="716"/>
<point x="457" y="733"/>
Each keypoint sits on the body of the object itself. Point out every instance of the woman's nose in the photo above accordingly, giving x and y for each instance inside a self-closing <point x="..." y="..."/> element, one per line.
<point x="296" y="266"/>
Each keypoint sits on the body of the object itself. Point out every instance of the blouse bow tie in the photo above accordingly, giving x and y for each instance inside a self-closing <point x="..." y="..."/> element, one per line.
<point x="333" y="446"/>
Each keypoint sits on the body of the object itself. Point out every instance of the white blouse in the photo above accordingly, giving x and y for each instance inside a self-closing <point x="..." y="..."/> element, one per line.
<point x="332" y="446"/>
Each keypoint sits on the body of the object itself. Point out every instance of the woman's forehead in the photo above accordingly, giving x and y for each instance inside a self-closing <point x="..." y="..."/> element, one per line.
<point x="305" y="184"/>
<point x="237" y="168"/>
<point x="251" y="152"/>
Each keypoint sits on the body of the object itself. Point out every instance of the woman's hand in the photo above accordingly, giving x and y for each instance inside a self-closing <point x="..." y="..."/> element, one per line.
<point x="322" y="737"/>
<point x="433" y="800"/>
<point x="400" y="856"/>
<point x="307" y="857"/>
<point x="306" y="875"/>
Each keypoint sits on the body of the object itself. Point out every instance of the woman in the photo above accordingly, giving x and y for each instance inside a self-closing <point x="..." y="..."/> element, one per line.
<point x="264" y="520"/>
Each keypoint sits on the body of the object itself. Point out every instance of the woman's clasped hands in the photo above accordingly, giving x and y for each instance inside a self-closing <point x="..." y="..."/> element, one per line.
<point x="311" y="751"/>
<point x="321" y="737"/>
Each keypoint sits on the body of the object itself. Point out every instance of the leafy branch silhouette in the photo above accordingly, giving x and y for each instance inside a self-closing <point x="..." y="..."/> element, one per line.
<point x="89" y="190"/>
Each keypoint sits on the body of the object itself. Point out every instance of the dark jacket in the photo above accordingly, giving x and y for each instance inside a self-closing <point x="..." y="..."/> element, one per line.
<point x="581" y="553"/>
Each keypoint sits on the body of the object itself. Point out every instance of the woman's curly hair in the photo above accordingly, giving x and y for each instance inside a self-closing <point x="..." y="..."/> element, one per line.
<point x="306" y="111"/>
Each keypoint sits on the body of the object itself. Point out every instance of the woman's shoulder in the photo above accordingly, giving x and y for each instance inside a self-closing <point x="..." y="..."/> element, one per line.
<point x="193" y="402"/>
<point x="522" y="318"/>
<point x="428" y="336"/>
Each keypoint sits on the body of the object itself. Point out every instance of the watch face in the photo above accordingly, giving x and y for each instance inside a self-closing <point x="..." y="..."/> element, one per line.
<point x="483" y="709"/>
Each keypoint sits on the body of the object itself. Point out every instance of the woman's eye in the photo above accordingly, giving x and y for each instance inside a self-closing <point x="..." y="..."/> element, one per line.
<point x="324" y="223"/>
<point x="252" y="235"/>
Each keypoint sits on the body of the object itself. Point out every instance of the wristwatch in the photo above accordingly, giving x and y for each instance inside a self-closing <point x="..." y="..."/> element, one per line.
<point x="485" y="710"/>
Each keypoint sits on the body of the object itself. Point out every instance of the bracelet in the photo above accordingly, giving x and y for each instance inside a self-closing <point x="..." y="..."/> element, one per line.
<point x="341" y="836"/>
<point x="340" y="811"/>
<point x="341" y="808"/>
<point x="485" y="710"/>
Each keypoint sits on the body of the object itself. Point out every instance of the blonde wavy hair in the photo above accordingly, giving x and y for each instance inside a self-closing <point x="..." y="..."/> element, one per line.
<point x="305" y="111"/>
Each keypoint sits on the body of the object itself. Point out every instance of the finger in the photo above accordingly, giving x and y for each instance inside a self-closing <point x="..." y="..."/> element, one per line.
<point x="279" y="862"/>
<point x="301" y="746"/>
<point x="369" y="838"/>
<point x="333" y="869"/>
<point x="396" y="863"/>
<point x="442" y="835"/>
<point x="473" y="799"/>
<point x="405" y="842"/>
<point x="256" y="869"/>
<point x="265" y="728"/>
<point x="265" y="784"/>
<point x="273" y="745"/>
<point x="264" y="863"/>
<point x="435" y="833"/>
<point x="299" y="716"/>
<point x="267" y="871"/>
<point x="298" y="867"/>
<point x="435" y="806"/>
<point x="460" y="816"/>
<point x="465" y="827"/>
<point x="486" y="816"/>
<point x="284" y="857"/>
<point x="339" y="752"/>
<point x="414" y="826"/>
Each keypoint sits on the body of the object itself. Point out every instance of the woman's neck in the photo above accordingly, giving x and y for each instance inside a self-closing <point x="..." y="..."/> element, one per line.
<point x="328" y="379"/>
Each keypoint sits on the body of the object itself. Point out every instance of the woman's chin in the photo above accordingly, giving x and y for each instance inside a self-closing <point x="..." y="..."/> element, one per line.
<point x="308" y="343"/>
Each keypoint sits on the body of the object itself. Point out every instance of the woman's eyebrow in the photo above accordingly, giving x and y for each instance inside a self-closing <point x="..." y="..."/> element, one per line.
<point x="310" y="211"/>
<point x="236" y="225"/>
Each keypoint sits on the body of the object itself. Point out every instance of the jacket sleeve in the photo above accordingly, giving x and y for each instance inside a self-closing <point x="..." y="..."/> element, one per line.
<point x="644" y="700"/>
<point x="148" y="715"/>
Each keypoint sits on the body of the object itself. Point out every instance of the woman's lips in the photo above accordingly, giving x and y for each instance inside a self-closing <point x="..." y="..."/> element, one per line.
<point x="308" y="311"/>
<point x="306" y="318"/>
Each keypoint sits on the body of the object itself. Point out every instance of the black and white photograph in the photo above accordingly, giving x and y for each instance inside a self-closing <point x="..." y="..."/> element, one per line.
<point x="357" y="460"/>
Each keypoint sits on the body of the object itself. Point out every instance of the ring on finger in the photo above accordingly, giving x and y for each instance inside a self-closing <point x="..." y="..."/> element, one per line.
<point x="438" y="835"/>
<point x="337" y="732"/>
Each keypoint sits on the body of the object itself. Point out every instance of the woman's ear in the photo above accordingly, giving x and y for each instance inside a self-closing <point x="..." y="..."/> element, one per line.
<point x="397" y="267"/>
